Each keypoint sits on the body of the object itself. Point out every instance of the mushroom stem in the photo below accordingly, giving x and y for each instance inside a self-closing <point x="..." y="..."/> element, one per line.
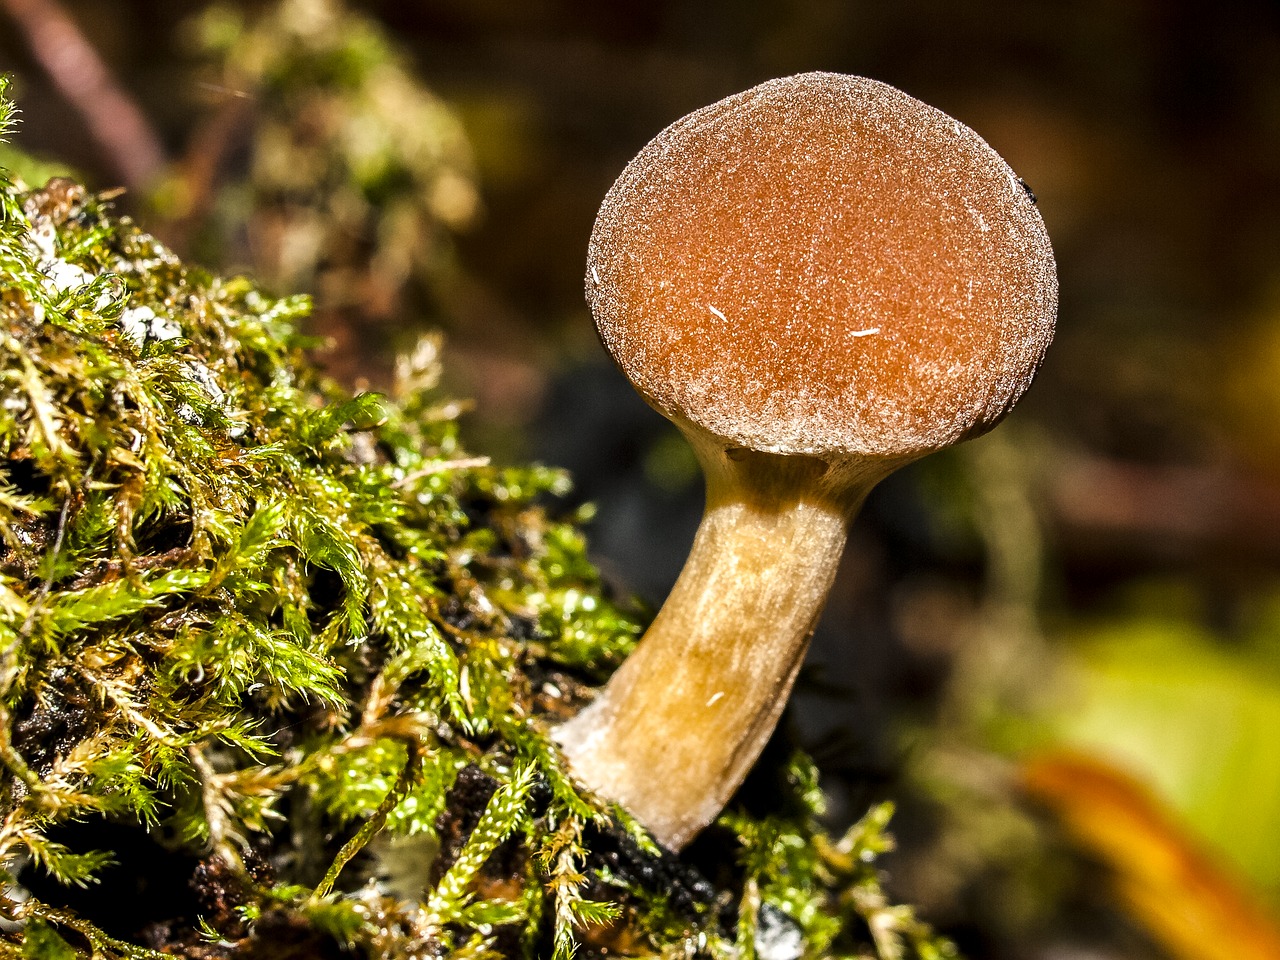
<point x="723" y="652"/>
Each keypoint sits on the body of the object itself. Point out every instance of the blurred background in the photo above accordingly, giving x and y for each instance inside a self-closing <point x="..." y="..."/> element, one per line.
<point x="1058" y="647"/>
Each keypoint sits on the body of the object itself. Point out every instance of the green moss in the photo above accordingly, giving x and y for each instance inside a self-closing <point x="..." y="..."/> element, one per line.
<point x="278" y="662"/>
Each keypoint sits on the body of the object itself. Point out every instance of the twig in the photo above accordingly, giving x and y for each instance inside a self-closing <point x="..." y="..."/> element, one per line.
<point x="114" y="120"/>
<point x="467" y="463"/>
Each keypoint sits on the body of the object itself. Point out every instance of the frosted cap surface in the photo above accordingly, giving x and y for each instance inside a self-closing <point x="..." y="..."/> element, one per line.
<point x="824" y="265"/>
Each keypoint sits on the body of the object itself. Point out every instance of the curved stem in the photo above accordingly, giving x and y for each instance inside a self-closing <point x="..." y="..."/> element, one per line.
<point x="682" y="721"/>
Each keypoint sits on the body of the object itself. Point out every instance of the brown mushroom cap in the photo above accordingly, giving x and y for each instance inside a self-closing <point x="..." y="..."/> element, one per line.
<point x="824" y="265"/>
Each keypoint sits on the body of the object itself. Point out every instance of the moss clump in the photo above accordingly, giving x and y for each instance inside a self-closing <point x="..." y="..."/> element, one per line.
<point x="276" y="662"/>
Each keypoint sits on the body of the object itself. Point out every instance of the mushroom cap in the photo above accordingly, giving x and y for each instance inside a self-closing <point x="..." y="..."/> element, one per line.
<point x="824" y="265"/>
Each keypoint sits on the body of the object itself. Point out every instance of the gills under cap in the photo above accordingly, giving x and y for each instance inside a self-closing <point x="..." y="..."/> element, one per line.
<point x="824" y="265"/>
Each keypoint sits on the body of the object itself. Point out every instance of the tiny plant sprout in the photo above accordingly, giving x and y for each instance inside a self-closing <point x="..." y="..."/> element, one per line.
<point x="818" y="280"/>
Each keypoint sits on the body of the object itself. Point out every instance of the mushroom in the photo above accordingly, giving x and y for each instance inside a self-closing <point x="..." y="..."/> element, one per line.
<point x="817" y="280"/>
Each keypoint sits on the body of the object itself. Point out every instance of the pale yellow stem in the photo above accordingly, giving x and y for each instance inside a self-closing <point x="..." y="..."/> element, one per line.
<point x="679" y="725"/>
